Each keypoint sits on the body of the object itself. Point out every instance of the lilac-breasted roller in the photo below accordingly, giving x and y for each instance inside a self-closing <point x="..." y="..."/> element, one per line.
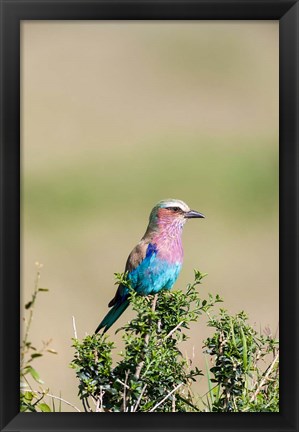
<point x="155" y="263"/>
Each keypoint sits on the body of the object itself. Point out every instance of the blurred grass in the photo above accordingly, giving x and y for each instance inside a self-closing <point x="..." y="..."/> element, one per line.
<point x="239" y="181"/>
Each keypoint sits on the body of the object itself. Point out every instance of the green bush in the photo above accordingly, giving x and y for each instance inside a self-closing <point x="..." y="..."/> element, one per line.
<point x="242" y="366"/>
<point x="238" y="354"/>
<point x="152" y="368"/>
<point x="153" y="375"/>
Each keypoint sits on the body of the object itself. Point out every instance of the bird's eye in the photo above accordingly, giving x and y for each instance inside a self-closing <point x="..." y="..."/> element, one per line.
<point x="174" y="209"/>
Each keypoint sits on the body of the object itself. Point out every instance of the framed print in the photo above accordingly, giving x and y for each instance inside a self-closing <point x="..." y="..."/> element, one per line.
<point x="133" y="134"/>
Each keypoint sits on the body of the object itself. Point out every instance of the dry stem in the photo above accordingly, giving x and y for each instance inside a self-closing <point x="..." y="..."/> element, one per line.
<point x="60" y="399"/>
<point x="166" y="397"/>
<point x="146" y="340"/>
<point x="265" y="378"/>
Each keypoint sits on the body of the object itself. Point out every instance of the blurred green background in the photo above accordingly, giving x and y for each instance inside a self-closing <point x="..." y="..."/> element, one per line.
<point x="116" y="116"/>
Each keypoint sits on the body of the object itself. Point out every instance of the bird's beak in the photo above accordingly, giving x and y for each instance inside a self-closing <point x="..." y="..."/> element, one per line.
<point x="193" y="214"/>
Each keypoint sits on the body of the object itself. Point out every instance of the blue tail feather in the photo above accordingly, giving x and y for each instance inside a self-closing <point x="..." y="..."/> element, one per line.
<point x="112" y="315"/>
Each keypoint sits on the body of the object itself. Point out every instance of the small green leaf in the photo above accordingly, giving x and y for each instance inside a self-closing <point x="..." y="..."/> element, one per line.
<point x="43" y="289"/>
<point x="35" y="355"/>
<point x="232" y="332"/>
<point x="34" y="374"/>
<point x="244" y="348"/>
<point x="28" y="395"/>
<point x="44" y="407"/>
<point x="28" y="305"/>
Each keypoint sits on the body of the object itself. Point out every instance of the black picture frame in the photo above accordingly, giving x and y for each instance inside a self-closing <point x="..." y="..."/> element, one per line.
<point x="12" y="12"/>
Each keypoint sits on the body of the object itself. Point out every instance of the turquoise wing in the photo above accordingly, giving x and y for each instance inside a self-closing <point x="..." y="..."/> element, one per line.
<point x="153" y="274"/>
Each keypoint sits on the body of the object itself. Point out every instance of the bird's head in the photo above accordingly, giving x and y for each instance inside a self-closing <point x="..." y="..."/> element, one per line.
<point x="171" y="212"/>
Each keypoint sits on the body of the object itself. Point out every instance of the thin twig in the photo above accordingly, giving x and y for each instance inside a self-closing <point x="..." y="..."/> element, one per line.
<point x="28" y="324"/>
<point x="173" y="403"/>
<point x="125" y="395"/>
<point x="38" y="400"/>
<point x="98" y="405"/>
<point x="154" y="302"/>
<point x="86" y="405"/>
<point x="139" y="399"/>
<point x="95" y="400"/>
<point x="74" y="327"/>
<point x="138" y="369"/>
<point x="60" y="399"/>
<point x="28" y="383"/>
<point x="166" y="397"/>
<point x="101" y="398"/>
<point x="174" y="329"/>
<point x="122" y="383"/>
<point x="146" y="340"/>
<point x="265" y="378"/>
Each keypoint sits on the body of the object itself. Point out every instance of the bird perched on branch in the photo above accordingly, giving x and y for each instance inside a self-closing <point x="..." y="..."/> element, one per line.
<point x="155" y="263"/>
